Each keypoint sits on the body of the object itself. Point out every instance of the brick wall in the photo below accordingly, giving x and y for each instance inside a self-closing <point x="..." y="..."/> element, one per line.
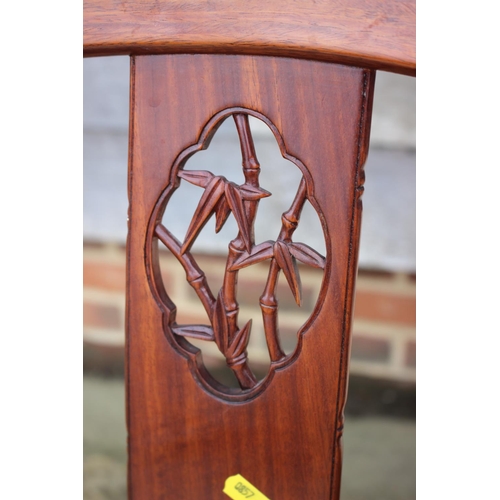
<point x="383" y="343"/>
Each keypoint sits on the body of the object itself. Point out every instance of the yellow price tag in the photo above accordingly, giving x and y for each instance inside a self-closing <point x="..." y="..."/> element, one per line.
<point x="238" y="488"/>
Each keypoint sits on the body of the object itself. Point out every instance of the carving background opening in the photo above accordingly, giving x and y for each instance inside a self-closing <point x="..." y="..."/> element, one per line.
<point x="238" y="353"/>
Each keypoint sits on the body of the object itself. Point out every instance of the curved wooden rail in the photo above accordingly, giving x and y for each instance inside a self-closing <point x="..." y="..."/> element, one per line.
<point x="377" y="34"/>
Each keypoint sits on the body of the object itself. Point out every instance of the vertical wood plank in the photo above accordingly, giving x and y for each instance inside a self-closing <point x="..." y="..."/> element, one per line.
<point x="185" y="440"/>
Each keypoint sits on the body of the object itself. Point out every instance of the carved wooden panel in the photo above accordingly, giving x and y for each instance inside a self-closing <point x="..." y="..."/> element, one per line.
<point x="222" y="198"/>
<point x="187" y="433"/>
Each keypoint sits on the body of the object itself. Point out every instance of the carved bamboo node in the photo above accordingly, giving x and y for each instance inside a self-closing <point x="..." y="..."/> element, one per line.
<point x="231" y="310"/>
<point x="238" y="360"/>
<point x="268" y="307"/>
<point x="236" y="247"/>
<point x="288" y="223"/>
<point x="223" y="198"/>
<point x="251" y="164"/>
<point x="195" y="280"/>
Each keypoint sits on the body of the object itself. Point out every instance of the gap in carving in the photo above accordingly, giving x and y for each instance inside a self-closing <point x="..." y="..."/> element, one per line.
<point x="251" y="283"/>
<point x="181" y="203"/>
<point x="242" y="355"/>
<point x="284" y="177"/>
<point x="280" y="176"/>
<point x="191" y="311"/>
<point x="310" y="231"/>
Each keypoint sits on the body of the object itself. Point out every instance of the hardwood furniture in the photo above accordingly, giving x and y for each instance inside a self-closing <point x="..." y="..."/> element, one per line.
<point x="307" y="70"/>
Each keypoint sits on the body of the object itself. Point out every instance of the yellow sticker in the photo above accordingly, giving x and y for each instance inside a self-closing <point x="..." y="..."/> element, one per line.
<point x="238" y="488"/>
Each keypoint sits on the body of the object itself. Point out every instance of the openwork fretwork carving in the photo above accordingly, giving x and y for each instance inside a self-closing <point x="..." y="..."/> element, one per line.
<point x="223" y="199"/>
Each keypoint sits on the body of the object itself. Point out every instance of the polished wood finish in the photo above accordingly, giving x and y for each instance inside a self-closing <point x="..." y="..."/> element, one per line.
<point x="187" y="433"/>
<point x="378" y="34"/>
<point x="223" y="198"/>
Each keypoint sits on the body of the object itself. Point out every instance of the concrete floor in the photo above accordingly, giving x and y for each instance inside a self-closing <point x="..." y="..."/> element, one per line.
<point x="379" y="452"/>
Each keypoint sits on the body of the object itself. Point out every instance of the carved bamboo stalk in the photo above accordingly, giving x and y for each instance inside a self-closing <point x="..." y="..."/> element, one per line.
<point x="239" y="366"/>
<point x="195" y="276"/>
<point x="268" y="301"/>
<point x="251" y="170"/>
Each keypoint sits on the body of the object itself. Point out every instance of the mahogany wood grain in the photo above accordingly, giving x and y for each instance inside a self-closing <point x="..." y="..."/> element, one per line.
<point x="378" y="34"/>
<point x="221" y="198"/>
<point x="186" y="434"/>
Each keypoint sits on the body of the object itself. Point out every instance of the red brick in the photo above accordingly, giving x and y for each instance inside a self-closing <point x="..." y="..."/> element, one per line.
<point x="169" y="283"/>
<point x="288" y="338"/>
<point x="411" y="354"/>
<point x="249" y="292"/>
<point x="369" y="349"/>
<point x="379" y="306"/>
<point x="214" y="279"/>
<point x="191" y="317"/>
<point x="104" y="275"/>
<point x="102" y="316"/>
<point x="94" y="244"/>
<point x="287" y="301"/>
<point x="379" y="275"/>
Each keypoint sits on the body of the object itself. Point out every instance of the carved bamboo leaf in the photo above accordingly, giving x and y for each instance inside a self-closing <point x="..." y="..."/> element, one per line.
<point x="197" y="177"/>
<point x="219" y="322"/>
<point x="253" y="193"/>
<point x="240" y="341"/>
<point x="307" y="255"/>
<point x="259" y="253"/>
<point x="201" y="332"/>
<point x="222" y="212"/>
<point x="235" y="201"/>
<point x="288" y="265"/>
<point x="204" y="210"/>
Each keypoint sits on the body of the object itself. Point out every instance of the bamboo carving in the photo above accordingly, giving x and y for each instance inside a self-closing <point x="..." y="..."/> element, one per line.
<point x="223" y="198"/>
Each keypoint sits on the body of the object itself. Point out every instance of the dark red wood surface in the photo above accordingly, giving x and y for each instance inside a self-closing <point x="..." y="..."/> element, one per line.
<point x="223" y="198"/>
<point x="283" y="435"/>
<point x="378" y="34"/>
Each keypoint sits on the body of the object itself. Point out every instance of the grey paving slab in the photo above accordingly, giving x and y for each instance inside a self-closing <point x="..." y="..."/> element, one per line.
<point x="379" y="459"/>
